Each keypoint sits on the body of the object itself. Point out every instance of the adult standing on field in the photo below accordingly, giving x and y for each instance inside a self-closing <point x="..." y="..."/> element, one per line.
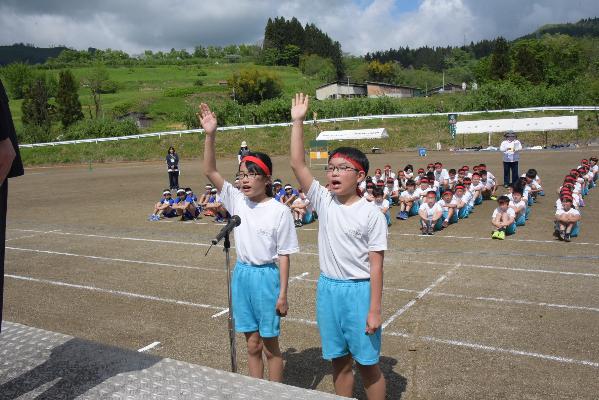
<point x="244" y="150"/>
<point x="172" y="163"/>
<point x="511" y="148"/>
<point x="10" y="167"/>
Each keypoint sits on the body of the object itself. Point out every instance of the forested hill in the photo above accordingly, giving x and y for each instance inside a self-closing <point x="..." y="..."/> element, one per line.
<point x="584" y="27"/>
<point x="27" y="53"/>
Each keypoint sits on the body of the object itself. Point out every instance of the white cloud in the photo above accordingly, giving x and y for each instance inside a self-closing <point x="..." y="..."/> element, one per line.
<point x="360" y="26"/>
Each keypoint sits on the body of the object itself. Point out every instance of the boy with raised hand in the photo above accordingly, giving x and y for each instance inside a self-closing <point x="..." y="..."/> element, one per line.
<point x="352" y="239"/>
<point x="503" y="219"/>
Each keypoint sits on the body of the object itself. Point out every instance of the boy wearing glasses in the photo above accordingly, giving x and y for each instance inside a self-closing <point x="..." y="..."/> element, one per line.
<point x="352" y="239"/>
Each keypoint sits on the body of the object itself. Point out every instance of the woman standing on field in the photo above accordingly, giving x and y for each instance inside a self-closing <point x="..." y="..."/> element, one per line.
<point x="172" y="163"/>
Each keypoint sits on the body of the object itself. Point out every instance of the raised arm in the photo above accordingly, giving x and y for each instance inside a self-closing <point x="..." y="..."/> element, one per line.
<point x="208" y="121"/>
<point x="299" y="109"/>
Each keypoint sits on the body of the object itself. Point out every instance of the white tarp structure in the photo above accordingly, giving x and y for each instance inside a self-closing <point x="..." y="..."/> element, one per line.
<point x="518" y="125"/>
<point x="354" y="134"/>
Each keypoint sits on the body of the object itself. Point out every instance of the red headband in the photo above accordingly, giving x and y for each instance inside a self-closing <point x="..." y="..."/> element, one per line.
<point x="353" y="162"/>
<point x="258" y="162"/>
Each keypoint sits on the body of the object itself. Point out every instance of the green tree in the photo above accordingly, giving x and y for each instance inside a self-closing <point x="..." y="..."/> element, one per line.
<point x="529" y="61"/>
<point x="290" y="55"/>
<point x="96" y="81"/>
<point x="501" y="62"/>
<point x="253" y="86"/>
<point x="35" y="109"/>
<point x="67" y="99"/>
<point x="17" y="76"/>
<point x="317" y="66"/>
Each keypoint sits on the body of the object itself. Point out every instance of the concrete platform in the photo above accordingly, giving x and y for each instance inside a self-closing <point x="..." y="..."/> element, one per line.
<point x="40" y="364"/>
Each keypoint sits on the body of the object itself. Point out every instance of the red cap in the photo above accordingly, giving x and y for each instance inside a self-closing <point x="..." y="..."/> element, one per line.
<point x="447" y="192"/>
<point x="460" y="187"/>
<point x="424" y="180"/>
<point x="567" y="197"/>
<point x="466" y="168"/>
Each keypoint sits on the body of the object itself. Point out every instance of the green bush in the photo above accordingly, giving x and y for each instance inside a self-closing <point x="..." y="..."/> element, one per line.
<point x="198" y="82"/>
<point x="202" y="73"/>
<point x="254" y="86"/>
<point x="180" y="91"/>
<point x="100" y="127"/>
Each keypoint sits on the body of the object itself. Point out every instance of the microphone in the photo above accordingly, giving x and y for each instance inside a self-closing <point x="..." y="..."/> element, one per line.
<point x="233" y="222"/>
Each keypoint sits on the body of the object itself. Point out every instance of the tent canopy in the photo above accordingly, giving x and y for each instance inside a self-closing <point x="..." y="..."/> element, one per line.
<point x="354" y="134"/>
<point x="518" y="125"/>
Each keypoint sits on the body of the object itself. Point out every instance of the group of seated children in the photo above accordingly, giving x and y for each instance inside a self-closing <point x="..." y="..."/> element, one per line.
<point x="438" y="196"/>
<point x="296" y="200"/>
<point x="513" y="209"/>
<point x="187" y="206"/>
<point x="575" y="187"/>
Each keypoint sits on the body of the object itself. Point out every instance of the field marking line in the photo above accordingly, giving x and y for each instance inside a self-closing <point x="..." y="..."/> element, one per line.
<point x="487" y="238"/>
<point x="494" y="349"/>
<point x="489" y="299"/>
<point x="113" y="292"/>
<point x="148" y="347"/>
<point x="59" y="253"/>
<point x="295" y="278"/>
<point x="419" y="296"/>
<point x="471" y="345"/>
<point x="60" y="232"/>
<point x="34" y="235"/>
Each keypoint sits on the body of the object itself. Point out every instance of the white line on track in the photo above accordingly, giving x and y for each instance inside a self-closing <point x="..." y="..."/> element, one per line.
<point x="35" y="233"/>
<point x="148" y="347"/>
<point x="488" y="238"/>
<point x="59" y="253"/>
<point x="113" y="292"/>
<point x="58" y="232"/>
<point x="489" y="299"/>
<point x="295" y="278"/>
<point x="495" y="349"/>
<point x="474" y="346"/>
<point x="419" y="296"/>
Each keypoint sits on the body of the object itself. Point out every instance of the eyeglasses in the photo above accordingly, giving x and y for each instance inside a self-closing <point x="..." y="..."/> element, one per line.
<point x="340" y="169"/>
<point x="243" y="175"/>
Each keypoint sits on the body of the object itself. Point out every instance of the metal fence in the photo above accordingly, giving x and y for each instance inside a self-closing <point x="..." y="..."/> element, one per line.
<point x="357" y="118"/>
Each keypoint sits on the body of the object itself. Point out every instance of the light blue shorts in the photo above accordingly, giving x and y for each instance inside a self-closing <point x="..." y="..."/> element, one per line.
<point x="255" y="290"/>
<point x="341" y="312"/>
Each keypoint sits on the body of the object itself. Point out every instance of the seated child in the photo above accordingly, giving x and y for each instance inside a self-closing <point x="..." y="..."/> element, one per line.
<point x="391" y="191"/>
<point x="184" y="205"/>
<point x="594" y="167"/>
<point x="408" y="201"/>
<point x="383" y="204"/>
<point x="423" y="188"/>
<point x="203" y="200"/>
<point x="421" y="174"/>
<point x="489" y="185"/>
<point x="476" y="188"/>
<point x="214" y="207"/>
<point x="301" y="210"/>
<point x="566" y="219"/>
<point x="430" y="213"/>
<point x="401" y="181"/>
<point x="369" y="194"/>
<point x="163" y="207"/>
<point x="289" y="196"/>
<point x="362" y="185"/>
<point x="409" y="171"/>
<point x="453" y="179"/>
<point x="387" y="173"/>
<point x="462" y="198"/>
<point x="519" y="207"/>
<point x="442" y="176"/>
<point x="503" y="219"/>
<point x="449" y="206"/>
<point x="277" y="189"/>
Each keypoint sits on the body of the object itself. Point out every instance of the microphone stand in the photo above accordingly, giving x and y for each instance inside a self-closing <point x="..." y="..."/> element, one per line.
<point x="231" y="319"/>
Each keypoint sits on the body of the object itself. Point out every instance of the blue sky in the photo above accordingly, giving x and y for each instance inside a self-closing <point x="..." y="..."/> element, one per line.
<point x="359" y="25"/>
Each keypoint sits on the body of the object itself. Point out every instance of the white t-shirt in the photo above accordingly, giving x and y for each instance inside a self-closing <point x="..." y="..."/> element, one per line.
<point x="266" y="229"/>
<point x="521" y="204"/>
<point x="511" y="150"/>
<point x="430" y="211"/>
<point x="510" y="212"/>
<point x="441" y="175"/>
<point x="443" y="204"/>
<point x="571" y="211"/>
<point x="346" y="234"/>
<point x="407" y="195"/>
<point x="466" y="198"/>
<point x="384" y="204"/>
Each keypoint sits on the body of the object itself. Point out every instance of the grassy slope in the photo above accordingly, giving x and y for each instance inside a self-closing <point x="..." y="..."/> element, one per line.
<point x="404" y="134"/>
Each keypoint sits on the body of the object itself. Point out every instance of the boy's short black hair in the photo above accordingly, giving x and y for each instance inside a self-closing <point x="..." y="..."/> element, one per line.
<point x="378" y="192"/>
<point x="255" y="168"/>
<point x="531" y="173"/>
<point x="188" y="189"/>
<point x="517" y="190"/>
<point x="430" y="176"/>
<point x="482" y="172"/>
<point x="503" y="199"/>
<point x="593" y="159"/>
<point x="410" y="182"/>
<point x="354" y="154"/>
<point x="408" y="167"/>
<point x="452" y="171"/>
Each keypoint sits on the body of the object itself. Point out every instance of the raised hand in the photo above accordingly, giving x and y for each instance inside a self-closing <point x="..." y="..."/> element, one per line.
<point x="207" y="119"/>
<point x="299" y="107"/>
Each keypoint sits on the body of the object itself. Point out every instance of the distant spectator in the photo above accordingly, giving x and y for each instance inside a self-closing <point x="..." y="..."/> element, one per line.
<point x="511" y="148"/>
<point x="244" y="150"/>
<point x="172" y="163"/>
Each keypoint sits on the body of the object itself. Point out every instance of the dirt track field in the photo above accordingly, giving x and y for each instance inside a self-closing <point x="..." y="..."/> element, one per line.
<point x="466" y="317"/>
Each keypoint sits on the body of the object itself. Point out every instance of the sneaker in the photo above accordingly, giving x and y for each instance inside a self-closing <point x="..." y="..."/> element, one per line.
<point x="501" y="235"/>
<point x="494" y="198"/>
<point x="218" y="219"/>
<point x="404" y="215"/>
<point x="494" y="234"/>
<point x="151" y="217"/>
<point x="562" y="235"/>
<point x="424" y="230"/>
<point x="556" y="233"/>
<point x="567" y="237"/>
<point x="431" y="231"/>
<point x="445" y="224"/>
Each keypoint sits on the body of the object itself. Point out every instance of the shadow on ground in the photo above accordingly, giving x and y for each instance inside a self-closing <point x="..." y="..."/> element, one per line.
<point x="75" y="367"/>
<point x="306" y="369"/>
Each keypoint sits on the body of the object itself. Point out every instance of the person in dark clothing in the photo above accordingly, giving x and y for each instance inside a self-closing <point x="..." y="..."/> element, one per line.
<point x="172" y="162"/>
<point x="10" y="167"/>
<point x="244" y="150"/>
